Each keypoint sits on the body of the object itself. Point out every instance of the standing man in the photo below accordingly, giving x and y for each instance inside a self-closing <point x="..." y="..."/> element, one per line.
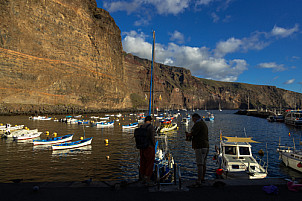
<point x="147" y="155"/>
<point x="200" y="143"/>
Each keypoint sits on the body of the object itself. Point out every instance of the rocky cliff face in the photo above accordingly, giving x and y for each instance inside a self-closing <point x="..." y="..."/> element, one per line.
<point x="59" y="56"/>
<point x="60" y="52"/>
<point x="176" y="88"/>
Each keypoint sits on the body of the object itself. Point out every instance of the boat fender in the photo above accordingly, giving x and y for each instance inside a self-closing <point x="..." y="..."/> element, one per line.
<point x="106" y="141"/>
<point x="55" y="134"/>
<point x="299" y="165"/>
<point x="47" y="132"/>
<point x="219" y="171"/>
<point x="81" y="138"/>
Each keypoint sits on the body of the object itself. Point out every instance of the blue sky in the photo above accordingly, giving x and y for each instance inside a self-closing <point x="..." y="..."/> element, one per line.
<point x="250" y="41"/>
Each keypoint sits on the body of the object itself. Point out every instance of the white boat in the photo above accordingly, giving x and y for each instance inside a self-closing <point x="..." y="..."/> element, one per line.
<point x="293" y="117"/>
<point x="9" y="134"/>
<point x="10" y="128"/>
<point x="130" y="126"/>
<point x="40" y="118"/>
<point x="54" y="140"/>
<point x="209" y="117"/>
<point x="168" y="127"/>
<point x="104" y="118"/>
<point x="186" y="120"/>
<point x="235" y="159"/>
<point x="27" y="136"/>
<point x="291" y="157"/>
<point x="104" y="124"/>
<point x="72" y="145"/>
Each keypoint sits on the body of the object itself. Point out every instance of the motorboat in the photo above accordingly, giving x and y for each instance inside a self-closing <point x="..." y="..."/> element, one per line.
<point x="293" y="117"/>
<point x="9" y="128"/>
<point x="291" y="157"/>
<point x="27" y="136"/>
<point x="16" y="133"/>
<point x="235" y="159"/>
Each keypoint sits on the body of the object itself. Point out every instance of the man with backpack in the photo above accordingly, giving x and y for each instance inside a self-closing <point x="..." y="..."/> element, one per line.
<point x="145" y="141"/>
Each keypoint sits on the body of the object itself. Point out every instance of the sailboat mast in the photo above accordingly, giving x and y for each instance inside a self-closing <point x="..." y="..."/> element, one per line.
<point x="151" y="80"/>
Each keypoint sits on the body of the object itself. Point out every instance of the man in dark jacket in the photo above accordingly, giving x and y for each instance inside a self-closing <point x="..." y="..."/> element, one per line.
<point x="200" y="143"/>
<point x="147" y="155"/>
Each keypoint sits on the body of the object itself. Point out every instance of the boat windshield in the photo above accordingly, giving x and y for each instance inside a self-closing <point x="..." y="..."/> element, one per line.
<point x="230" y="150"/>
<point x="244" y="151"/>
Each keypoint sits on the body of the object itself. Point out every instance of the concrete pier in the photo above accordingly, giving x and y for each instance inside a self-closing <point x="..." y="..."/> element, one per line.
<point x="211" y="190"/>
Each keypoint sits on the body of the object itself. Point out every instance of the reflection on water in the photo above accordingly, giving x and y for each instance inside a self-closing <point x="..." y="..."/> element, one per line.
<point x="118" y="160"/>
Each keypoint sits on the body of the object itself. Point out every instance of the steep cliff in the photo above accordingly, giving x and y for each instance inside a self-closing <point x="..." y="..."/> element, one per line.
<point x="62" y="56"/>
<point x="176" y="88"/>
<point x="60" y="52"/>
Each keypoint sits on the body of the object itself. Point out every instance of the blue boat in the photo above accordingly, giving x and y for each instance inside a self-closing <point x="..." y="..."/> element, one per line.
<point x="72" y="145"/>
<point x="55" y="140"/>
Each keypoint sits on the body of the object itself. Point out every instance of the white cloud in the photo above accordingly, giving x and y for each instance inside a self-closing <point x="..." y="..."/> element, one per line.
<point x="130" y="7"/>
<point x="272" y="65"/>
<point x="282" y="32"/>
<point x="256" y="41"/>
<point x="199" y="60"/>
<point x="163" y="7"/>
<point x="229" y="46"/>
<point x="177" y="36"/>
<point x="289" y="81"/>
<point x="203" y="2"/>
<point x="170" y="6"/>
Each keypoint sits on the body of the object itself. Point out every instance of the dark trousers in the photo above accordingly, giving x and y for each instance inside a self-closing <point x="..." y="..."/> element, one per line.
<point x="147" y="157"/>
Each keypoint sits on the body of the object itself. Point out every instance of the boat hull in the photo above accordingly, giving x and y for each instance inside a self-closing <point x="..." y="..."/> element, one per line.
<point x="289" y="159"/>
<point x="72" y="145"/>
<point x="50" y="142"/>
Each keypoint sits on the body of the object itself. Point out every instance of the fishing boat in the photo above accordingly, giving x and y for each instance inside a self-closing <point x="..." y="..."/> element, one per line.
<point x="27" y="136"/>
<point x="164" y="161"/>
<point x="40" y="118"/>
<point x="293" y="117"/>
<point x="9" y="134"/>
<point x="167" y="125"/>
<point x="235" y="159"/>
<point x="72" y="145"/>
<point x="186" y="120"/>
<point x="209" y="117"/>
<point x="291" y="157"/>
<point x="104" y="124"/>
<point x="9" y="128"/>
<point x="54" y="140"/>
<point x="130" y="126"/>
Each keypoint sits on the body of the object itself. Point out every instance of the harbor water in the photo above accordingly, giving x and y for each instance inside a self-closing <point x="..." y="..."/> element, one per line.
<point x="118" y="159"/>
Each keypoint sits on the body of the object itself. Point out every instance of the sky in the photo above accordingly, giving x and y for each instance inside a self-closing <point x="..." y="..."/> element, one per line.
<point x="248" y="41"/>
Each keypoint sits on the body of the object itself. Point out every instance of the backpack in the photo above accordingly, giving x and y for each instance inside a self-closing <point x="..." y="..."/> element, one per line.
<point x="141" y="137"/>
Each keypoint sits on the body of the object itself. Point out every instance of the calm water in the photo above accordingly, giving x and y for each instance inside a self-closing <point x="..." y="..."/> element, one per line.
<point x="21" y="160"/>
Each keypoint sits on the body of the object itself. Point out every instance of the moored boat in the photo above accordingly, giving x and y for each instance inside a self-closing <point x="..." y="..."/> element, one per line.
<point x="72" y="145"/>
<point x="235" y="159"/>
<point x="27" y="136"/>
<point x="54" y="140"/>
<point x="293" y="117"/>
<point x="132" y="125"/>
<point x="104" y="124"/>
<point x="291" y="157"/>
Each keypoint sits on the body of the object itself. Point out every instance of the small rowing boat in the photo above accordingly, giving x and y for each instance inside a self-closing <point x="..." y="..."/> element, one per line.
<point x="72" y="145"/>
<point x="54" y="140"/>
<point x="133" y="125"/>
